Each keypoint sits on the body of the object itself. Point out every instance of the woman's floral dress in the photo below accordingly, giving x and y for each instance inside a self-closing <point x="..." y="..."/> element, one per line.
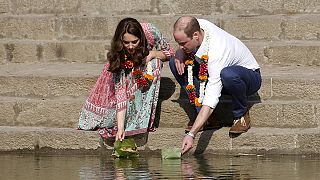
<point x="115" y="92"/>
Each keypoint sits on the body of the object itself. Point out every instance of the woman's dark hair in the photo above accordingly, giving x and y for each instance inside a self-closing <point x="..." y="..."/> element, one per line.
<point x="117" y="51"/>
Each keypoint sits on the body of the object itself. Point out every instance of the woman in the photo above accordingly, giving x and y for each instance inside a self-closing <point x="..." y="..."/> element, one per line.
<point x="124" y="99"/>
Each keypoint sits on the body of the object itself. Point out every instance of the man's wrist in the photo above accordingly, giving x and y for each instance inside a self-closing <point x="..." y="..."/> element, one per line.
<point x="193" y="135"/>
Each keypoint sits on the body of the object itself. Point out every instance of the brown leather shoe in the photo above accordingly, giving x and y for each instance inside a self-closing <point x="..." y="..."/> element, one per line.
<point x="241" y="125"/>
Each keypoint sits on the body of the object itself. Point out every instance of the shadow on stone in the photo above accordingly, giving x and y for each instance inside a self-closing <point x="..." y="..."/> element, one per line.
<point x="221" y="117"/>
<point x="203" y="141"/>
<point x="167" y="88"/>
<point x="234" y="135"/>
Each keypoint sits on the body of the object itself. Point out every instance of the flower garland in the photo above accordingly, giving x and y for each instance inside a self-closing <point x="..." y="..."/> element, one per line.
<point x="203" y="77"/>
<point x="143" y="80"/>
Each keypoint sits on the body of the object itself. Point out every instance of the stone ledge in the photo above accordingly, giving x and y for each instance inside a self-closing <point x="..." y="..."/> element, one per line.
<point x="76" y="79"/>
<point x="102" y="7"/>
<point x="49" y="26"/>
<point x="255" y="141"/>
<point x="64" y="112"/>
<point x="277" y="52"/>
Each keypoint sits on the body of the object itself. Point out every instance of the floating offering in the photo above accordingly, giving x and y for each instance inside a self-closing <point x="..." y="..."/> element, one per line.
<point x="171" y="153"/>
<point x="126" y="148"/>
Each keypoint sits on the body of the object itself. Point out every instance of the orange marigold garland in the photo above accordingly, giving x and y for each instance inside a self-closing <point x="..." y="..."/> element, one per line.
<point x="127" y="64"/>
<point x="149" y="77"/>
<point x="203" y="77"/>
<point x="143" y="80"/>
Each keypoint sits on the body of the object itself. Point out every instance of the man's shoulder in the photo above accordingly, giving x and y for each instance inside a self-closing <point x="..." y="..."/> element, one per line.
<point x="205" y="24"/>
<point x="204" y="21"/>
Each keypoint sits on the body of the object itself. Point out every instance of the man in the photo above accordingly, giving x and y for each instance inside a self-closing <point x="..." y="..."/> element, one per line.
<point x="222" y="63"/>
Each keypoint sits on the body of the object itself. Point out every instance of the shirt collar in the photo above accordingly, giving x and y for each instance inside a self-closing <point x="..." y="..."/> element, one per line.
<point x="204" y="47"/>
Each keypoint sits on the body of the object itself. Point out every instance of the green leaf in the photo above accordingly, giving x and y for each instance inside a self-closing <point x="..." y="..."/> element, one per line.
<point x="126" y="148"/>
<point x="171" y="153"/>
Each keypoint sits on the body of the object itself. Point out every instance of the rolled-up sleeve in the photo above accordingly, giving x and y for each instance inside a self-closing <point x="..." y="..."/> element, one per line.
<point x="214" y="85"/>
<point x="158" y="41"/>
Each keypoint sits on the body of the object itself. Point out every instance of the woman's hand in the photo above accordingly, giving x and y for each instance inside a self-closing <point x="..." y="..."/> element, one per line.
<point x="120" y="134"/>
<point x="149" y="57"/>
<point x="120" y="122"/>
<point x="156" y="54"/>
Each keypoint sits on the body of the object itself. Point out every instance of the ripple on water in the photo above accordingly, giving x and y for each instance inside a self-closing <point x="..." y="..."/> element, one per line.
<point x="32" y="167"/>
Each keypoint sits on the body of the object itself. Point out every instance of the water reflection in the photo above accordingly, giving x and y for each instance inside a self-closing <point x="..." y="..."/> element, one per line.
<point x="27" y="166"/>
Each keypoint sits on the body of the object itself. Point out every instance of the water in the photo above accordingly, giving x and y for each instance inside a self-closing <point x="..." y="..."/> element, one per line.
<point x="58" y="167"/>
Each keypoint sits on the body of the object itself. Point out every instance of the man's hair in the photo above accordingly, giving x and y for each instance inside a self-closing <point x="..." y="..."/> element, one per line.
<point x="187" y="24"/>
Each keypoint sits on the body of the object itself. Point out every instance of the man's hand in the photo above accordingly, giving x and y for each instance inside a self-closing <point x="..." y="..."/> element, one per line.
<point x="179" y="61"/>
<point x="201" y="119"/>
<point x="179" y="66"/>
<point x="186" y="144"/>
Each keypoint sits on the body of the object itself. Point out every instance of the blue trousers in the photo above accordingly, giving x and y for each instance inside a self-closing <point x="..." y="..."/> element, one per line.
<point x="237" y="81"/>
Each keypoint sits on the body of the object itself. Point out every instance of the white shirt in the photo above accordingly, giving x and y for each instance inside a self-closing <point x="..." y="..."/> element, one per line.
<point x="223" y="50"/>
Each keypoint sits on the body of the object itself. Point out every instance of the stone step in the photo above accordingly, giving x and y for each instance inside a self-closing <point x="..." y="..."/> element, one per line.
<point x="286" y="53"/>
<point x="101" y="27"/>
<point x="240" y="7"/>
<point x="64" y="112"/>
<point x="255" y="141"/>
<point x="58" y="112"/>
<point x="244" y="7"/>
<point x="301" y="52"/>
<point x="292" y="83"/>
<point x="30" y="51"/>
<point x="50" y="80"/>
<point x="270" y="113"/>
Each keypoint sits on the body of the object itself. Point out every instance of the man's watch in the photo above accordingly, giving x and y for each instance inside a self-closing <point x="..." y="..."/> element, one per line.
<point x="191" y="134"/>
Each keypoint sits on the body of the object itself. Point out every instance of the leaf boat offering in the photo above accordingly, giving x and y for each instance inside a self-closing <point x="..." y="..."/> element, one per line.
<point x="171" y="153"/>
<point x="126" y="148"/>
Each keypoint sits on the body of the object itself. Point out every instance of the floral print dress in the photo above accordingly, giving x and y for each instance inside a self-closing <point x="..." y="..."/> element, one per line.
<point x="119" y="91"/>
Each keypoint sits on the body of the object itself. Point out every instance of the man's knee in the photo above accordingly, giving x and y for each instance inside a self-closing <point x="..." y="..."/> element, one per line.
<point x="172" y="66"/>
<point x="227" y="75"/>
<point x="171" y="62"/>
